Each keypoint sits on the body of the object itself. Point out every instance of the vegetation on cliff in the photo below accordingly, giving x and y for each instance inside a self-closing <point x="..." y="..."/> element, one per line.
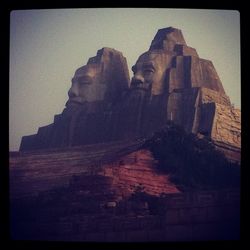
<point x="192" y="162"/>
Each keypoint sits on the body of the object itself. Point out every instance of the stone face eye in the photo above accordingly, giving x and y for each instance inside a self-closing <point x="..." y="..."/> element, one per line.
<point x="148" y="71"/>
<point x="84" y="80"/>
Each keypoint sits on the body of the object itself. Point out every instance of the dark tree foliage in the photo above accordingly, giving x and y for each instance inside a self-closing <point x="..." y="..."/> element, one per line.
<point x="192" y="162"/>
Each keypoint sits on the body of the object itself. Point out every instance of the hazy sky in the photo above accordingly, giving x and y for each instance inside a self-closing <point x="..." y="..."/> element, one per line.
<point x="47" y="46"/>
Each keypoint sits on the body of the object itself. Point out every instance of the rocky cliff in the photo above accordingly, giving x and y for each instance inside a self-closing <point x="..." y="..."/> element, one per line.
<point x="170" y="82"/>
<point x="152" y="159"/>
<point x="95" y="87"/>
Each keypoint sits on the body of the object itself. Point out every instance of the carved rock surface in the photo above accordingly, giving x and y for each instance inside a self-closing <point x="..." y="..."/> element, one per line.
<point x="90" y="192"/>
<point x="183" y="88"/>
<point x="84" y="124"/>
<point x="227" y="125"/>
<point x="167" y="38"/>
<point x="226" y="131"/>
<point x="114" y="71"/>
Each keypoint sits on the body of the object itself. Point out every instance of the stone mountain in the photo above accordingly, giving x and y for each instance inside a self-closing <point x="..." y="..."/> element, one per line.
<point x="151" y="159"/>
<point x="170" y="82"/>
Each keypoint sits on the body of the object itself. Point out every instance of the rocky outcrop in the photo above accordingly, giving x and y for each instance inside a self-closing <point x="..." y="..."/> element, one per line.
<point x="207" y="113"/>
<point x="170" y="82"/>
<point x="197" y="100"/>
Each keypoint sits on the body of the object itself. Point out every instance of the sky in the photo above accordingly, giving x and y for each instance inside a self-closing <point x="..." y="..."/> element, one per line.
<point x="47" y="46"/>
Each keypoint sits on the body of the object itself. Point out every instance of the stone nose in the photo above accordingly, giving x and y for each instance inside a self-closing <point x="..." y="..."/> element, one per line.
<point x="73" y="91"/>
<point x="137" y="80"/>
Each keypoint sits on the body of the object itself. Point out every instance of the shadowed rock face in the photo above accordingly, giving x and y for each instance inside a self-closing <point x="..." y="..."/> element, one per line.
<point x="94" y="88"/>
<point x="170" y="82"/>
<point x="188" y="90"/>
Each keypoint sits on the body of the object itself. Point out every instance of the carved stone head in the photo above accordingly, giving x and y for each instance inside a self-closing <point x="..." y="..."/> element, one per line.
<point x="87" y="85"/>
<point x="150" y="71"/>
<point x="104" y="78"/>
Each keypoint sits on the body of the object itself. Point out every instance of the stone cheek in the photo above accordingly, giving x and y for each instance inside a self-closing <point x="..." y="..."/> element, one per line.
<point x="94" y="92"/>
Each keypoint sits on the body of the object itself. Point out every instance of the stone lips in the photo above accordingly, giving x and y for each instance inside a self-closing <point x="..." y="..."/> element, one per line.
<point x="191" y="95"/>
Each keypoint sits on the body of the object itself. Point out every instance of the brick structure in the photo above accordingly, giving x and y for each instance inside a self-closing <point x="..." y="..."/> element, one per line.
<point x="91" y="193"/>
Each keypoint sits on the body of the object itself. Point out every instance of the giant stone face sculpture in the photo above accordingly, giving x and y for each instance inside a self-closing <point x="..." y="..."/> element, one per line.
<point x="150" y="71"/>
<point x="170" y="82"/>
<point x="188" y="88"/>
<point x="104" y="78"/>
<point x="95" y="87"/>
<point x="86" y="85"/>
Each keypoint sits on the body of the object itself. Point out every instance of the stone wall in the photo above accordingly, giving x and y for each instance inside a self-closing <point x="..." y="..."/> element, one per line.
<point x="111" y="192"/>
<point x="225" y="130"/>
<point x="40" y="170"/>
<point x="138" y="171"/>
<point x="68" y="215"/>
<point x="227" y="125"/>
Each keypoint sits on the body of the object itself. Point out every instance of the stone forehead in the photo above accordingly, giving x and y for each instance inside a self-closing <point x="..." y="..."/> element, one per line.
<point x="158" y="56"/>
<point x="151" y="55"/>
<point x="90" y="68"/>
